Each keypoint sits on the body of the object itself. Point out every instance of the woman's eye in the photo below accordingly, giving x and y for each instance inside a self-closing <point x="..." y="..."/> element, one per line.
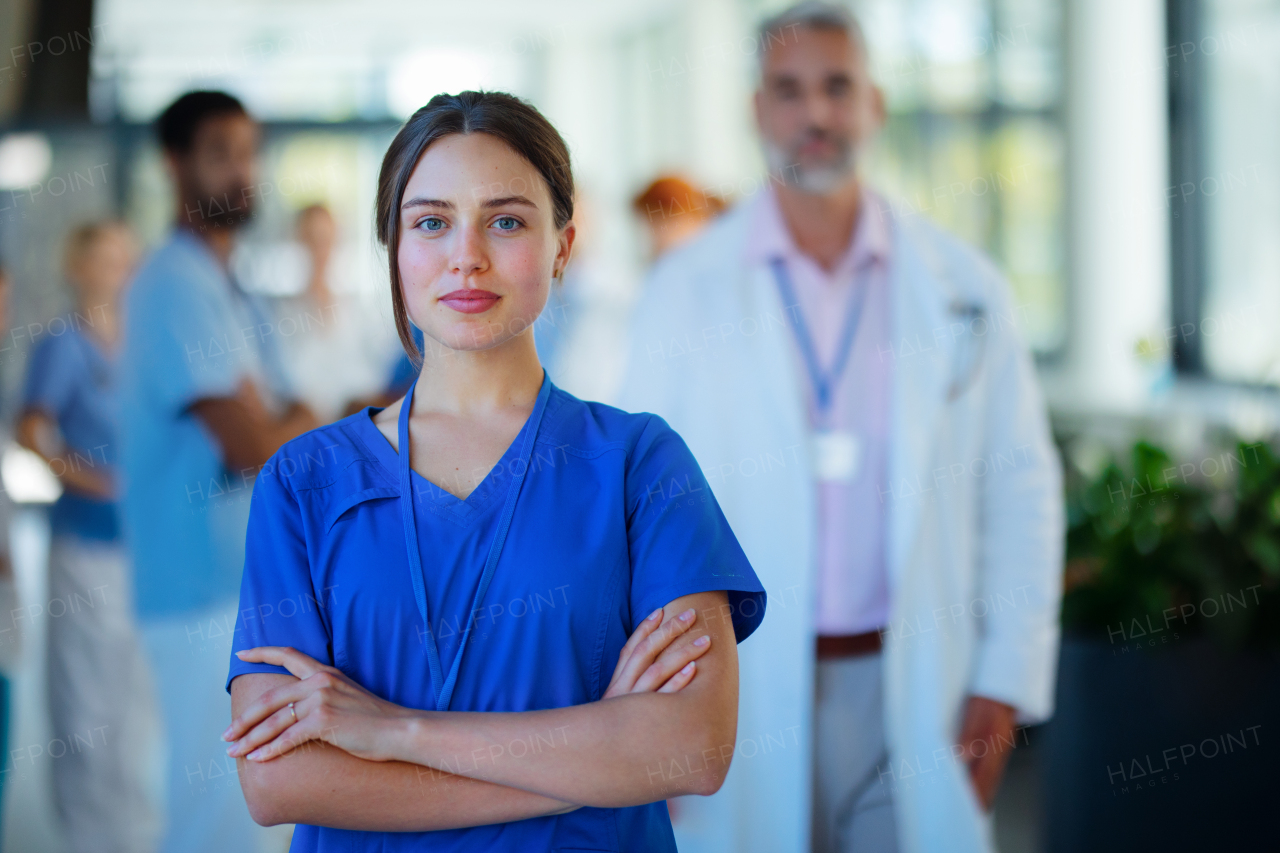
<point x="507" y="223"/>
<point x="431" y="223"/>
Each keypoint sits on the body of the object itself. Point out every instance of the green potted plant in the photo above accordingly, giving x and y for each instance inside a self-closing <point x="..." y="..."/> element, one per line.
<point x="1171" y="642"/>
<point x="1153" y="545"/>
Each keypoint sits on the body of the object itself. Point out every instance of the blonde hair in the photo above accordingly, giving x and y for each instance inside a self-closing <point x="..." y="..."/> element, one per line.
<point x="83" y="238"/>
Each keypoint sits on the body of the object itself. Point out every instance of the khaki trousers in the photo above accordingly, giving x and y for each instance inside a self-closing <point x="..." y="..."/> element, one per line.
<point x="852" y="808"/>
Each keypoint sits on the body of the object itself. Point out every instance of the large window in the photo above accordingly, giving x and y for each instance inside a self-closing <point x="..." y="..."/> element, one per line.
<point x="1225" y="96"/>
<point x="975" y="135"/>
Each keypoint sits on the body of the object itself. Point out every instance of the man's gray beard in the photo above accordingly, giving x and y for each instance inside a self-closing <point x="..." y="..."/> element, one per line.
<point x="821" y="180"/>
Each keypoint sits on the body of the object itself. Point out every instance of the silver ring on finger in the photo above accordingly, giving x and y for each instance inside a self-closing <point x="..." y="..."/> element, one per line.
<point x="295" y="713"/>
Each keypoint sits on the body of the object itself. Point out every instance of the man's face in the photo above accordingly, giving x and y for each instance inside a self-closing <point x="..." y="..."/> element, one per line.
<point x="816" y="107"/>
<point x="216" y="177"/>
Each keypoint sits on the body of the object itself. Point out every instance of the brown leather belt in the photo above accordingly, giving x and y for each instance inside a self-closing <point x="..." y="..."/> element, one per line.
<point x="849" y="645"/>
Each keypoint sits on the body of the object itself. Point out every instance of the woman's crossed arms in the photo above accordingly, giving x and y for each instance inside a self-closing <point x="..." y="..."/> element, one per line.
<point x="317" y="748"/>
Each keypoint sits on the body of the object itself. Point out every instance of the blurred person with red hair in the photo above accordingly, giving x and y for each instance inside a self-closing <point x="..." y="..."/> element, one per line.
<point x="673" y="211"/>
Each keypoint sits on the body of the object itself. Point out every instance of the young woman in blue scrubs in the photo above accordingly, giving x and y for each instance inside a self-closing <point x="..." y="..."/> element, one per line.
<point x="432" y="645"/>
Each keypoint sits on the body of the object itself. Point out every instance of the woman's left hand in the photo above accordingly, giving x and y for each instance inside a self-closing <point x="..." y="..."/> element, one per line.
<point x="324" y="704"/>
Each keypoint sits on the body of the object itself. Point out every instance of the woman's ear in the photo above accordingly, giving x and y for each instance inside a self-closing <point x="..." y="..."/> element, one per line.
<point x="565" y="249"/>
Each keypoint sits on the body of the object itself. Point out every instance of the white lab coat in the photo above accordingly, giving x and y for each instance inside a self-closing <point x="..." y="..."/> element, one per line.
<point x="975" y="540"/>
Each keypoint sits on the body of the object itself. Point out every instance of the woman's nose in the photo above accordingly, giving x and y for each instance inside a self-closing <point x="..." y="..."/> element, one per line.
<point x="468" y="252"/>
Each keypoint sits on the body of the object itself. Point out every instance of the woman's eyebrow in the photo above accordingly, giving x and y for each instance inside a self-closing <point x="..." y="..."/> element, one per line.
<point x="427" y="202"/>
<point x="508" y="199"/>
<point x="505" y="200"/>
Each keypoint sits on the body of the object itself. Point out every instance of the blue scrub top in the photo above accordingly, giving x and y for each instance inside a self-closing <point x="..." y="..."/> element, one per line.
<point x="614" y="520"/>
<point x="190" y="333"/>
<point x="72" y="380"/>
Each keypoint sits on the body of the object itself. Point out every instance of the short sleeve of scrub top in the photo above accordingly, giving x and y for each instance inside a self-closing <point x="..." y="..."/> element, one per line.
<point x="71" y="381"/>
<point x="613" y="520"/>
<point x="280" y="608"/>
<point x="52" y="374"/>
<point x="679" y="540"/>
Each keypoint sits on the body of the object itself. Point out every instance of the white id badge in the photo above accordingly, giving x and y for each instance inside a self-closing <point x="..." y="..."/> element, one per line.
<point x="836" y="455"/>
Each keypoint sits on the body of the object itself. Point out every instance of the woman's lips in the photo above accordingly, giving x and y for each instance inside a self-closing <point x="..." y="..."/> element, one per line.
<point x="470" y="301"/>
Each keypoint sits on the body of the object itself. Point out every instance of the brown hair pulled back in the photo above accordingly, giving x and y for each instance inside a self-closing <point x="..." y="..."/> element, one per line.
<point x="498" y="114"/>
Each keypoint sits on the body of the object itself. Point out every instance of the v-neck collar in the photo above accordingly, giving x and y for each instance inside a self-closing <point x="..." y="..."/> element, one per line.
<point x="435" y="499"/>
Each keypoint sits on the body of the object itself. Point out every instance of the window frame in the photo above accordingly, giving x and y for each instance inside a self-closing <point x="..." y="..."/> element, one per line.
<point x="1188" y="228"/>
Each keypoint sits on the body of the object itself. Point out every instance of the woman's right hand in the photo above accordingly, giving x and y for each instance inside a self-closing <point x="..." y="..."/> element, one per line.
<point x="659" y="657"/>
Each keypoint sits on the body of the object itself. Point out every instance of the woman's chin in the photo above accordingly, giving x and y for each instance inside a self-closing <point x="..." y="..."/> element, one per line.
<point x="477" y="337"/>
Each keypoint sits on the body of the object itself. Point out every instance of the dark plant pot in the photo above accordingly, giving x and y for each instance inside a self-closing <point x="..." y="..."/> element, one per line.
<point x="1173" y="746"/>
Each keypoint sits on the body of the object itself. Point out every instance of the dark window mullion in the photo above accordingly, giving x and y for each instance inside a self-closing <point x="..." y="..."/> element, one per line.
<point x="1187" y="220"/>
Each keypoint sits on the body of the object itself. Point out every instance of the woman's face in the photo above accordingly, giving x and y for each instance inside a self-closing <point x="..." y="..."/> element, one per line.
<point x="105" y="267"/>
<point x="478" y="243"/>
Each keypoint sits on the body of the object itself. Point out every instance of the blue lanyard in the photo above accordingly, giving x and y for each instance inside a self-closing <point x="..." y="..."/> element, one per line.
<point x="445" y="692"/>
<point x="824" y="382"/>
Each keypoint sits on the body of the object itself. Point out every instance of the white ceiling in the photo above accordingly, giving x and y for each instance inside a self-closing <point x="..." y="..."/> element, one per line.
<point x="335" y="58"/>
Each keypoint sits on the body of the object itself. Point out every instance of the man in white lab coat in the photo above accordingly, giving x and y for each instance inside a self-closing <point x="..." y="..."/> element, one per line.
<point x="855" y="386"/>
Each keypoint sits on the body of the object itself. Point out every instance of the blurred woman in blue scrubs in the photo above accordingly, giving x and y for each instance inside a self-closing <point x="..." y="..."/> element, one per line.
<point x="99" y="689"/>
<point x="432" y="645"/>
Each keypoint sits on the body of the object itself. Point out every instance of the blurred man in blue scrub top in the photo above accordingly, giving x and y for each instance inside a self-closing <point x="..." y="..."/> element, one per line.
<point x="98" y="683"/>
<point x="205" y="403"/>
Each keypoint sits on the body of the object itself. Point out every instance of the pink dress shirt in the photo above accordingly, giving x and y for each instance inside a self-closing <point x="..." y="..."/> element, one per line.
<point x="852" y="583"/>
